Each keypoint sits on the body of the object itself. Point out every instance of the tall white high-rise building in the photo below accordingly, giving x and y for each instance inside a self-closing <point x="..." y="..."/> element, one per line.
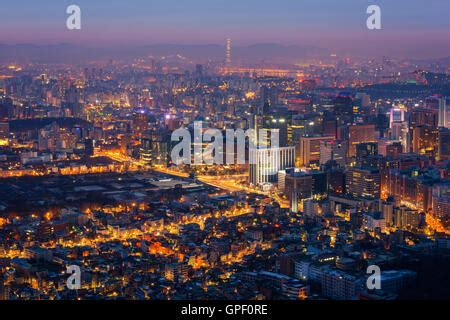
<point x="228" y="52"/>
<point x="265" y="163"/>
<point x="444" y="118"/>
<point x="399" y="131"/>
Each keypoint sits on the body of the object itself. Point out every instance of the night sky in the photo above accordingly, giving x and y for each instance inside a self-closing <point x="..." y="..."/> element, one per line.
<point x="413" y="27"/>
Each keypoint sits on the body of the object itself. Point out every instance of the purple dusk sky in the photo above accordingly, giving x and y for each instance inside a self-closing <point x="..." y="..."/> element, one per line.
<point x="414" y="28"/>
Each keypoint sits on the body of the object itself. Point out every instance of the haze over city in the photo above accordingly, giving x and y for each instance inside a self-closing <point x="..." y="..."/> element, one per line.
<point x="409" y="30"/>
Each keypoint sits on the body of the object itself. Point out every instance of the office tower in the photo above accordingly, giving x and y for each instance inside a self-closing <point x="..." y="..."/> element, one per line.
<point x="282" y="177"/>
<point x="228" y="52"/>
<point x="89" y="147"/>
<point x="6" y="109"/>
<point x="363" y="182"/>
<point x="387" y="210"/>
<point x="269" y="98"/>
<point x="381" y="123"/>
<point x="49" y="137"/>
<point x="444" y="119"/>
<point x="360" y="134"/>
<point x="309" y="150"/>
<point x="311" y="208"/>
<point x="441" y="200"/>
<point x="366" y="149"/>
<point x="342" y="133"/>
<point x="80" y="131"/>
<point x="140" y="123"/>
<point x="305" y="184"/>
<point x="424" y="139"/>
<point x="421" y="117"/>
<point x="46" y="230"/>
<point x="400" y="131"/>
<point x="73" y="109"/>
<point x="326" y="151"/>
<point x="299" y="104"/>
<point x="391" y="148"/>
<point x="198" y="71"/>
<point x="374" y="221"/>
<point x="295" y="198"/>
<point x="272" y="123"/>
<point x="281" y="180"/>
<point x="409" y="187"/>
<point x="265" y="163"/>
<point x="72" y="102"/>
<point x="155" y="148"/>
<point x="406" y="218"/>
<point x="126" y="145"/>
<point x="343" y="108"/>
<point x="73" y="95"/>
<point x="444" y="144"/>
<point x="336" y="180"/>
<point x="333" y="150"/>
<point x="308" y="125"/>
<point x="432" y="102"/>
<point x="298" y="186"/>
<point x="394" y="150"/>
<point x="319" y="183"/>
<point x="338" y="285"/>
<point x="394" y="281"/>
<point x="396" y="115"/>
<point x="329" y="124"/>
<point x="145" y="150"/>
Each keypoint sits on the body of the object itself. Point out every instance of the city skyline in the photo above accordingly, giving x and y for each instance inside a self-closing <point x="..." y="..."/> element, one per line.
<point x="224" y="152"/>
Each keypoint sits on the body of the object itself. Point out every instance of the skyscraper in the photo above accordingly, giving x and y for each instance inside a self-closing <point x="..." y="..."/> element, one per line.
<point x="362" y="182"/>
<point x="366" y="149"/>
<point x="228" y="52"/>
<point x="309" y="150"/>
<point x="443" y="113"/>
<point x="269" y="98"/>
<point x="444" y="144"/>
<point x="359" y="134"/>
<point x="275" y="124"/>
<point x="6" y="109"/>
<point x="396" y="115"/>
<point x="299" y="186"/>
<point x="420" y="117"/>
<point x="333" y="150"/>
<point x="89" y="147"/>
<point x="424" y="139"/>
<point x="267" y="162"/>
<point x="155" y="148"/>
<point x="441" y="200"/>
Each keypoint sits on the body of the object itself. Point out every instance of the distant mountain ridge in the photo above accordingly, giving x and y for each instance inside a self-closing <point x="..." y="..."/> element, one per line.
<point x="69" y="53"/>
